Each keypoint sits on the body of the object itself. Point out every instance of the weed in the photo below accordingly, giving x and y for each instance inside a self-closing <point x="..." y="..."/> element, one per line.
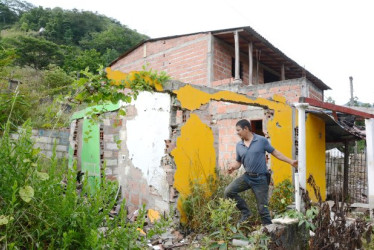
<point x="282" y="196"/>
<point x="208" y="212"/>
<point x="221" y="216"/>
<point x="40" y="206"/>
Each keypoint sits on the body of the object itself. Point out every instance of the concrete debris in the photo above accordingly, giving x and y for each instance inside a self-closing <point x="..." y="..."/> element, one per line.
<point x="168" y="243"/>
<point x="285" y="221"/>
<point x="132" y="216"/>
<point x="240" y="243"/>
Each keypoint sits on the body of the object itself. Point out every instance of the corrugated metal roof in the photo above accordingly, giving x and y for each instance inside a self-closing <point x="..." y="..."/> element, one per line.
<point x="338" y="130"/>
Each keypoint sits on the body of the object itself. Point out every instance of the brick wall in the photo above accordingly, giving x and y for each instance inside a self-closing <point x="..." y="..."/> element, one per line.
<point x="290" y="92"/>
<point x="315" y="93"/>
<point x="225" y="115"/>
<point x="183" y="58"/>
<point x="45" y="139"/>
<point x="110" y="129"/>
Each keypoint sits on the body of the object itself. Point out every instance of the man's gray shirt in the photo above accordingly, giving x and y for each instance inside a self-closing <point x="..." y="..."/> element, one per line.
<point x="253" y="157"/>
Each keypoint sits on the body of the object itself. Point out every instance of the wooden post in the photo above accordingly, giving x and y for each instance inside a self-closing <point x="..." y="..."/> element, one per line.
<point x="250" y="67"/>
<point x="237" y="59"/>
<point x="283" y="74"/>
<point x="346" y="169"/>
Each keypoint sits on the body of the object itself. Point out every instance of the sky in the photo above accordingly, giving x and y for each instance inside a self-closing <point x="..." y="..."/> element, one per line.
<point x="332" y="39"/>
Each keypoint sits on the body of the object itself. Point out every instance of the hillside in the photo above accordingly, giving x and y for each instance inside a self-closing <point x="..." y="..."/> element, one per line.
<point x="46" y="49"/>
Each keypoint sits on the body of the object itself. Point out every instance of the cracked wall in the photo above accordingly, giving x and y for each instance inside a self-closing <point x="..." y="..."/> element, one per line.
<point x="143" y="166"/>
<point x="172" y="137"/>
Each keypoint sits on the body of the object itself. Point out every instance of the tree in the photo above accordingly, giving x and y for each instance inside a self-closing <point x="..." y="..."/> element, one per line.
<point x="330" y="100"/>
<point x="113" y="41"/>
<point x="35" y="18"/>
<point x="11" y="10"/>
<point x="35" y="52"/>
<point x="77" y="59"/>
<point x="7" y="56"/>
<point x="7" y="15"/>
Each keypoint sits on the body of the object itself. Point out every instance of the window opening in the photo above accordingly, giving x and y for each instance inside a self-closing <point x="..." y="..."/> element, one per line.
<point x="256" y="127"/>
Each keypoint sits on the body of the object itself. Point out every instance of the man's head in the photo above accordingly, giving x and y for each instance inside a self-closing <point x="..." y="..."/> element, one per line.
<point x="243" y="129"/>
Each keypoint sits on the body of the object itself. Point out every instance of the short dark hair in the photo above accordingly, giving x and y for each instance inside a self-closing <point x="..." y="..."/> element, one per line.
<point x="244" y="123"/>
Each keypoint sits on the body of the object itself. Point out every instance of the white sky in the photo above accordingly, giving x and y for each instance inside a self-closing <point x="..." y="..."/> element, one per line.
<point x="333" y="39"/>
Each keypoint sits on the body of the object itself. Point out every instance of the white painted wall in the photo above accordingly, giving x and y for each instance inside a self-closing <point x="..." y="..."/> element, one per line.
<point x="146" y="135"/>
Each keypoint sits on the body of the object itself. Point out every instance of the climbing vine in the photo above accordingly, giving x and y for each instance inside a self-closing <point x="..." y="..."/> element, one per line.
<point x="97" y="89"/>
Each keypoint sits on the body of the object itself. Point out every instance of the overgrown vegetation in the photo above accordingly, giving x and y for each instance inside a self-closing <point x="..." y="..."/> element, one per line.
<point x="209" y="213"/>
<point x="282" y="196"/>
<point x="63" y="37"/>
<point x="330" y="225"/>
<point x="45" y="50"/>
<point x="42" y="205"/>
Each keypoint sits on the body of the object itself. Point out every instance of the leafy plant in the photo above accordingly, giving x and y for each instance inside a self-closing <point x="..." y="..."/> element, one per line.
<point x="306" y="218"/>
<point x="221" y="217"/>
<point x="281" y="197"/>
<point x="41" y="206"/>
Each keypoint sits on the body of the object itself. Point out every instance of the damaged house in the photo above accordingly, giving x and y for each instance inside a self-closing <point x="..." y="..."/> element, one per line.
<point x="185" y="131"/>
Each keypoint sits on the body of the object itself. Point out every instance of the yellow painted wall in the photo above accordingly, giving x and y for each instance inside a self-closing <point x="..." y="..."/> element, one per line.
<point x="194" y="157"/>
<point x="119" y="77"/>
<point x="315" y="156"/>
<point x="279" y="128"/>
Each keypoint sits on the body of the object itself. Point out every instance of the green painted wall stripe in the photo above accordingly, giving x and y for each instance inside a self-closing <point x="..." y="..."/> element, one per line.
<point x="99" y="109"/>
<point x="91" y="152"/>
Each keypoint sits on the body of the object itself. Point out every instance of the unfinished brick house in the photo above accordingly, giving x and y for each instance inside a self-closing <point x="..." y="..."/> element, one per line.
<point x="222" y="58"/>
<point x="186" y="130"/>
<point x="238" y="60"/>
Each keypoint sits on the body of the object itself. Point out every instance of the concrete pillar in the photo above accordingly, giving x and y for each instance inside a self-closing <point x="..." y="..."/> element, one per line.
<point x="301" y="107"/>
<point x="237" y="58"/>
<point x="369" y="126"/>
<point x="250" y="63"/>
<point x="210" y="58"/>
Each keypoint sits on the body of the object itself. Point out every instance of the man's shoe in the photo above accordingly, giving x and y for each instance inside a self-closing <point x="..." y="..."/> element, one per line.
<point x="244" y="218"/>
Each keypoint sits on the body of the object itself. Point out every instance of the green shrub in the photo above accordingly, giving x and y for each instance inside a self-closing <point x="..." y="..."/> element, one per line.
<point x="282" y="196"/>
<point x="41" y="207"/>
<point x="206" y="201"/>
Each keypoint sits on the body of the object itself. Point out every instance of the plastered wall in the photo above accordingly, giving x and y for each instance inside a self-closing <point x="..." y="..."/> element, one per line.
<point x="142" y="163"/>
<point x="315" y="157"/>
<point x="193" y="138"/>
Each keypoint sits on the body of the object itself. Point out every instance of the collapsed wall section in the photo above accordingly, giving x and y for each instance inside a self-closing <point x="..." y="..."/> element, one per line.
<point x="131" y="148"/>
<point x="143" y="166"/>
<point x="225" y="115"/>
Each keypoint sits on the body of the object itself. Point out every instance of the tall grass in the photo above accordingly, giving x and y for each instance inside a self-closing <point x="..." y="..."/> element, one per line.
<point x="41" y="205"/>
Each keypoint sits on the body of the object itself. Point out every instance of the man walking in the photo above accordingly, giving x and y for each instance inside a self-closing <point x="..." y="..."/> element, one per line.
<point x="250" y="152"/>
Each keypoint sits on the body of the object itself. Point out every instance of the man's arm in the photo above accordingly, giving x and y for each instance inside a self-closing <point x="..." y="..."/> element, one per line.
<point x="282" y="157"/>
<point x="233" y="166"/>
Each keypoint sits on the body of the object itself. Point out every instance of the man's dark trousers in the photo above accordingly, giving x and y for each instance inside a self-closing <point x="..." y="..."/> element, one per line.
<point x="260" y="188"/>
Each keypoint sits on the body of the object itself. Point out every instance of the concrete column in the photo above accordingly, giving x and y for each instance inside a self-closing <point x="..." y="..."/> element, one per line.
<point x="237" y="58"/>
<point x="301" y="107"/>
<point x="369" y="126"/>
<point x="250" y="63"/>
<point x="210" y="58"/>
